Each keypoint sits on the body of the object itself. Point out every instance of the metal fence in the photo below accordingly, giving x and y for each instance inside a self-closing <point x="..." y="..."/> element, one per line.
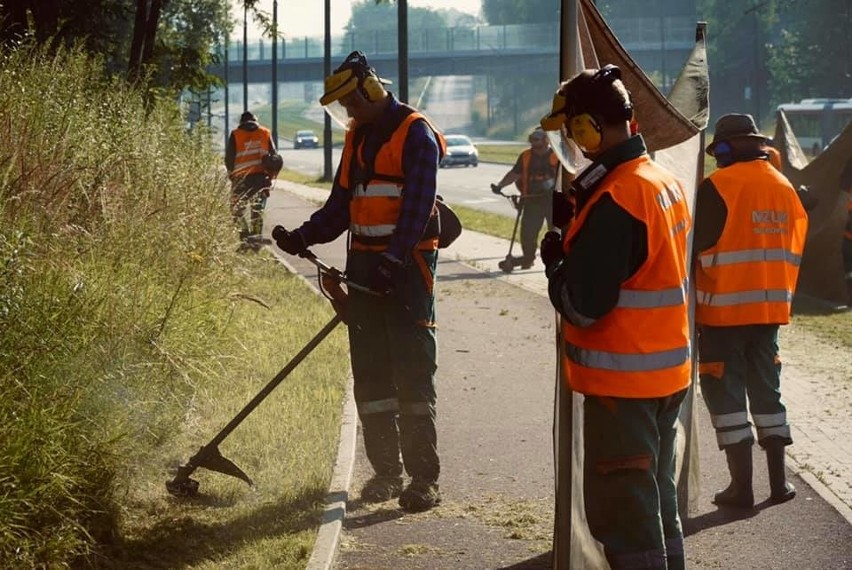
<point x="641" y="34"/>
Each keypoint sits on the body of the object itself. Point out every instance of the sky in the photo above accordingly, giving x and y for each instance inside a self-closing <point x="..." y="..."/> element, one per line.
<point x="300" y="18"/>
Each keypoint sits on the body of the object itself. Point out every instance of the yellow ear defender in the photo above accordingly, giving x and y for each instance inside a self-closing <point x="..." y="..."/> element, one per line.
<point x="583" y="104"/>
<point x="586" y="131"/>
<point x="372" y="88"/>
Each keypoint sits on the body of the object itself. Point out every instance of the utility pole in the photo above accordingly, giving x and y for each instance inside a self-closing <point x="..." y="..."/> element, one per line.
<point x="275" y="72"/>
<point x="326" y="138"/>
<point x="755" y="75"/>
<point x="245" y="57"/>
<point x="227" y="93"/>
<point x="402" y="47"/>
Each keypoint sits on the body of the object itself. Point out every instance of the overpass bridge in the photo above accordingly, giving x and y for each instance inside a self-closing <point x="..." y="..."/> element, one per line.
<point x="658" y="44"/>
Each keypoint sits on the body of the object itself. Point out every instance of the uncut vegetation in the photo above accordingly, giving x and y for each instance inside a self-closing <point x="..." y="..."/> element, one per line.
<point x="131" y="331"/>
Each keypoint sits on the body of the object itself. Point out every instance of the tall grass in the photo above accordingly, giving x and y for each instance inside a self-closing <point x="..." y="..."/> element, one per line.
<point x="120" y="294"/>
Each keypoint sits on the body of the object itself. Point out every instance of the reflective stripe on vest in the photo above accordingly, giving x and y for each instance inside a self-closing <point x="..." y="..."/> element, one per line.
<point x="750" y="256"/>
<point x="627" y="362"/>
<point x="615" y="355"/>
<point x="749" y="276"/>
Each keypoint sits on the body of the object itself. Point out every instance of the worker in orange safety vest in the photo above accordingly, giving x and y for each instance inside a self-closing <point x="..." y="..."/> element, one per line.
<point x="384" y="194"/>
<point x="619" y="281"/>
<point x="534" y="174"/>
<point x="750" y="232"/>
<point x="251" y="180"/>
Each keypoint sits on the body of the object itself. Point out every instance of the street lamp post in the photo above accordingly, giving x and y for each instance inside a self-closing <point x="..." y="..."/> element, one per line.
<point x="275" y="72"/>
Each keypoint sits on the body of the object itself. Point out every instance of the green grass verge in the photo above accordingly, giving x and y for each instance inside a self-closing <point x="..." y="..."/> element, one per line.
<point x="287" y="445"/>
<point x="133" y="332"/>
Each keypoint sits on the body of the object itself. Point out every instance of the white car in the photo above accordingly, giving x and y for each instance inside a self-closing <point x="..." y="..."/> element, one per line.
<point x="305" y="139"/>
<point x="460" y="150"/>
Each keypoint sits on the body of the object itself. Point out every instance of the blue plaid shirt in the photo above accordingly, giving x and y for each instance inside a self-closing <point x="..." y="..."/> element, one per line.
<point x="420" y="165"/>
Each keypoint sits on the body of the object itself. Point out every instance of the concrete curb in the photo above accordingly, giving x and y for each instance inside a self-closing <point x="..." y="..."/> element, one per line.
<point x="328" y="536"/>
<point x="821" y="489"/>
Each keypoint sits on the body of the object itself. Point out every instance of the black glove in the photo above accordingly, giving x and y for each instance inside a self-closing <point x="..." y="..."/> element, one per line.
<point x="291" y="242"/>
<point x="496" y="189"/>
<point x="551" y="248"/>
<point x="563" y="210"/>
<point x="384" y="278"/>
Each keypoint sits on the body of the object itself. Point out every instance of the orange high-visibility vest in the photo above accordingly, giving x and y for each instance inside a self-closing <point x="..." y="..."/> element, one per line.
<point x="523" y="182"/>
<point x="749" y="276"/>
<point x="640" y="349"/>
<point x="375" y="205"/>
<point x="250" y="147"/>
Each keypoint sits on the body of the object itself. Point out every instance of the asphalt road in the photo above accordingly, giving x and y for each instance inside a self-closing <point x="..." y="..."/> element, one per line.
<point x="462" y="185"/>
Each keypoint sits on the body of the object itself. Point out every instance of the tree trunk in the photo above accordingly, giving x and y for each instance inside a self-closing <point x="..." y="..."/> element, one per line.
<point x="151" y="31"/>
<point x="135" y="60"/>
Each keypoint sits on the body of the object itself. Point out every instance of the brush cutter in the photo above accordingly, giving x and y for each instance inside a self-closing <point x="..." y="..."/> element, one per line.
<point x="508" y="264"/>
<point x="209" y="457"/>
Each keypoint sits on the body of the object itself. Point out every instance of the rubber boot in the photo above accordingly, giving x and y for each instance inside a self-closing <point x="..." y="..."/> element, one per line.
<point x="739" y="493"/>
<point x="781" y="490"/>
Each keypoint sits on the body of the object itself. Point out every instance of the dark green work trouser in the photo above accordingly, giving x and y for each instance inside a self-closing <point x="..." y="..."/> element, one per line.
<point x="393" y="348"/>
<point x="629" y="479"/>
<point x="538" y="208"/>
<point x="735" y="362"/>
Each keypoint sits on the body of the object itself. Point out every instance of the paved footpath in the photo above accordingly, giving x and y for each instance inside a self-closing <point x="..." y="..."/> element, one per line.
<point x="495" y="412"/>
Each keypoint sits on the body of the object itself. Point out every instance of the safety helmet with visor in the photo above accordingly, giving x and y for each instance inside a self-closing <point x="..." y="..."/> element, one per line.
<point x="352" y="79"/>
<point x="579" y="110"/>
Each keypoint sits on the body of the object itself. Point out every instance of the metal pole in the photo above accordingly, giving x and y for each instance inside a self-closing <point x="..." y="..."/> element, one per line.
<point x="563" y="420"/>
<point x="227" y="94"/>
<point x="275" y="72"/>
<point x="402" y="48"/>
<point x="326" y="143"/>
<point x="245" y="57"/>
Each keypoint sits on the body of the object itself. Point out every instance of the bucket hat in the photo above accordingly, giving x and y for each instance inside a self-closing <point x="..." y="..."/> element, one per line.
<point x="734" y="126"/>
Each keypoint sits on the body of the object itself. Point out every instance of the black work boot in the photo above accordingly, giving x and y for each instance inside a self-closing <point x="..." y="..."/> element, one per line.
<point x="739" y="493"/>
<point x="420" y="496"/>
<point x="381" y="488"/>
<point x="781" y="490"/>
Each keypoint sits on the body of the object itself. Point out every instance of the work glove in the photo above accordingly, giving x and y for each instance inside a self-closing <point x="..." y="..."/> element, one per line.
<point x="290" y="242"/>
<point x="551" y="249"/>
<point x="563" y="210"/>
<point x="496" y="189"/>
<point x="385" y="277"/>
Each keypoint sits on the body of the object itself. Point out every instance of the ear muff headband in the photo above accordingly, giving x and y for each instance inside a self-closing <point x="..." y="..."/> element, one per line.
<point x="586" y="131"/>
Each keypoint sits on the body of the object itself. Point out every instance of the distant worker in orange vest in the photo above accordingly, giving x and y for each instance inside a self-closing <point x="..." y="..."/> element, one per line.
<point x="846" y="186"/>
<point x="749" y="237"/>
<point x="619" y="280"/>
<point x="534" y="174"/>
<point x="251" y="177"/>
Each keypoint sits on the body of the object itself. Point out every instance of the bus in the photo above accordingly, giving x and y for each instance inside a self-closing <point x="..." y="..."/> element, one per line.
<point x="816" y="122"/>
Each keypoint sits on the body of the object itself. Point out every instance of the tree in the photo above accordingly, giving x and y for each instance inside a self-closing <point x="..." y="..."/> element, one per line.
<point x="168" y="42"/>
